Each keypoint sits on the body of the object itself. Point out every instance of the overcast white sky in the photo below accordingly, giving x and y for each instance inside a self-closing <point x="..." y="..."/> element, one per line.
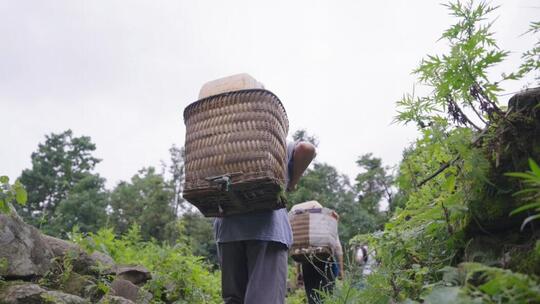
<point x="123" y="71"/>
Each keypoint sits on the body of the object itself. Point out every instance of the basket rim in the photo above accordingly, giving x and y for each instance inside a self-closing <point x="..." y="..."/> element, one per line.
<point x="199" y="101"/>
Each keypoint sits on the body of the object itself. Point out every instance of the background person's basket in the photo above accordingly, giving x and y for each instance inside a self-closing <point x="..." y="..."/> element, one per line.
<point x="235" y="153"/>
<point x="315" y="233"/>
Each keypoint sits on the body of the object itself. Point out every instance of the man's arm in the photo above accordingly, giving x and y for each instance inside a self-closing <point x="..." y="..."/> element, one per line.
<point x="339" y="252"/>
<point x="341" y="268"/>
<point x="303" y="154"/>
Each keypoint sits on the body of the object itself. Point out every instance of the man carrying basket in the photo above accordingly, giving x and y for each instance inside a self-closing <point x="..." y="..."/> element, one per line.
<point x="316" y="248"/>
<point x="253" y="248"/>
<point x="237" y="165"/>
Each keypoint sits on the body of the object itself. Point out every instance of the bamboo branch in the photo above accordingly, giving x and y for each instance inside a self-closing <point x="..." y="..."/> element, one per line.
<point x="452" y="162"/>
<point x="439" y="171"/>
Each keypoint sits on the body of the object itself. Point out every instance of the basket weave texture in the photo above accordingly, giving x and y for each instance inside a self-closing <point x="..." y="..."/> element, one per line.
<point x="315" y="233"/>
<point x="239" y="135"/>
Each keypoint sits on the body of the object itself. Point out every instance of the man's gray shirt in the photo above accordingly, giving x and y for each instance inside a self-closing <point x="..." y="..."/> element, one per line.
<point x="272" y="225"/>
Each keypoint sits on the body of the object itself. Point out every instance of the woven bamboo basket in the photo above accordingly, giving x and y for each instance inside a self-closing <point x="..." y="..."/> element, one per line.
<point x="314" y="234"/>
<point x="236" y="153"/>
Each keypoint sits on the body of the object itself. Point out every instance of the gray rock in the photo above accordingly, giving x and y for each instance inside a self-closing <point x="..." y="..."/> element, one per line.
<point x="135" y="274"/>
<point x="22" y="293"/>
<point x="525" y="100"/>
<point x="126" y="289"/>
<point x="79" y="285"/>
<point x="103" y="260"/>
<point x="24" y="249"/>
<point x="114" y="300"/>
<point x="28" y="293"/>
<point x="82" y="261"/>
<point x="60" y="298"/>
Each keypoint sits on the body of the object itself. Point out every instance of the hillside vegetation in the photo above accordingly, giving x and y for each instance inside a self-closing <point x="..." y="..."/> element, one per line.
<point x="461" y="224"/>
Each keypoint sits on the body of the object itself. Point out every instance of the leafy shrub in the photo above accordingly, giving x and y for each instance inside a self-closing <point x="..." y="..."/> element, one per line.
<point x="477" y="283"/>
<point x="177" y="275"/>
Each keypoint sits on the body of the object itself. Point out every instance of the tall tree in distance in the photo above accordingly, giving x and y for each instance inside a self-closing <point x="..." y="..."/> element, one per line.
<point x="177" y="170"/>
<point x="199" y="233"/>
<point x="144" y="201"/>
<point x="57" y="166"/>
<point x="303" y="135"/>
<point x="84" y="207"/>
<point x="374" y="183"/>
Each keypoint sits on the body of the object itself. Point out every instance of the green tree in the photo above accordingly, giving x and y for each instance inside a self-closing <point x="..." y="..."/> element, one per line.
<point x="57" y="166"/>
<point x="374" y="183"/>
<point x="84" y="207"/>
<point x="198" y="231"/>
<point x="177" y="170"/>
<point x="144" y="201"/>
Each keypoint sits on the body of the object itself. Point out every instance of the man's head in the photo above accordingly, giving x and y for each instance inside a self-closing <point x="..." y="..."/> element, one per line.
<point x="361" y="254"/>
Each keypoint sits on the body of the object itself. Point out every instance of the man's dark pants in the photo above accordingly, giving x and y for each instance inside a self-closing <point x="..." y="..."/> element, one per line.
<point x="318" y="276"/>
<point x="253" y="272"/>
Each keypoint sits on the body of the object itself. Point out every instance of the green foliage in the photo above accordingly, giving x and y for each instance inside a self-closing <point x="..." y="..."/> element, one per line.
<point x="345" y="292"/>
<point x="63" y="276"/>
<point x="84" y="207"/>
<point x="427" y="234"/>
<point x="298" y="296"/>
<point x="57" y="166"/>
<point x="4" y="266"/>
<point x="49" y="298"/>
<point x="531" y="192"/>
<point x="145" y="201"/>
<point x="443" y="179"/>
<point x="374" y="182"/>
<point x="60" y="273"/>
<point x="11" y="193"/>
<point x="178" y="275"/>
<point x="525" y="258"/>
<point x="459" y="79"/>
<point x="199" y="234"/>
<point x="177" y="170"/>
<point x="477" y="283"/>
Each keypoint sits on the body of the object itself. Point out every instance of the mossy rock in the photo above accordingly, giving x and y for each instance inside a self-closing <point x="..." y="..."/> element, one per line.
<point x="18" y="292"/>
<point x="81" y="285"/>
<point x="508" y="145"/>
<point x="525" y="258"/>
<point x="490" y="211"/>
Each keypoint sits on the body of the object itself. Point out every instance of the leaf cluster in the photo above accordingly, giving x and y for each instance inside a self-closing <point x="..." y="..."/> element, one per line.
<point x="458" y="80"/>
<point x="177" y="275"/>
<point x="11" y="193"/>
<point x="530" y="194"/>
<point x="477" y="283"/>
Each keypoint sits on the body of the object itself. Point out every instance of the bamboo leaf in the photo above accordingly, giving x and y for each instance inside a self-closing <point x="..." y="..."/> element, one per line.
<point x="534" y="167"/>
<point x="525" y="207"/>
<point x="529" y="219"/>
